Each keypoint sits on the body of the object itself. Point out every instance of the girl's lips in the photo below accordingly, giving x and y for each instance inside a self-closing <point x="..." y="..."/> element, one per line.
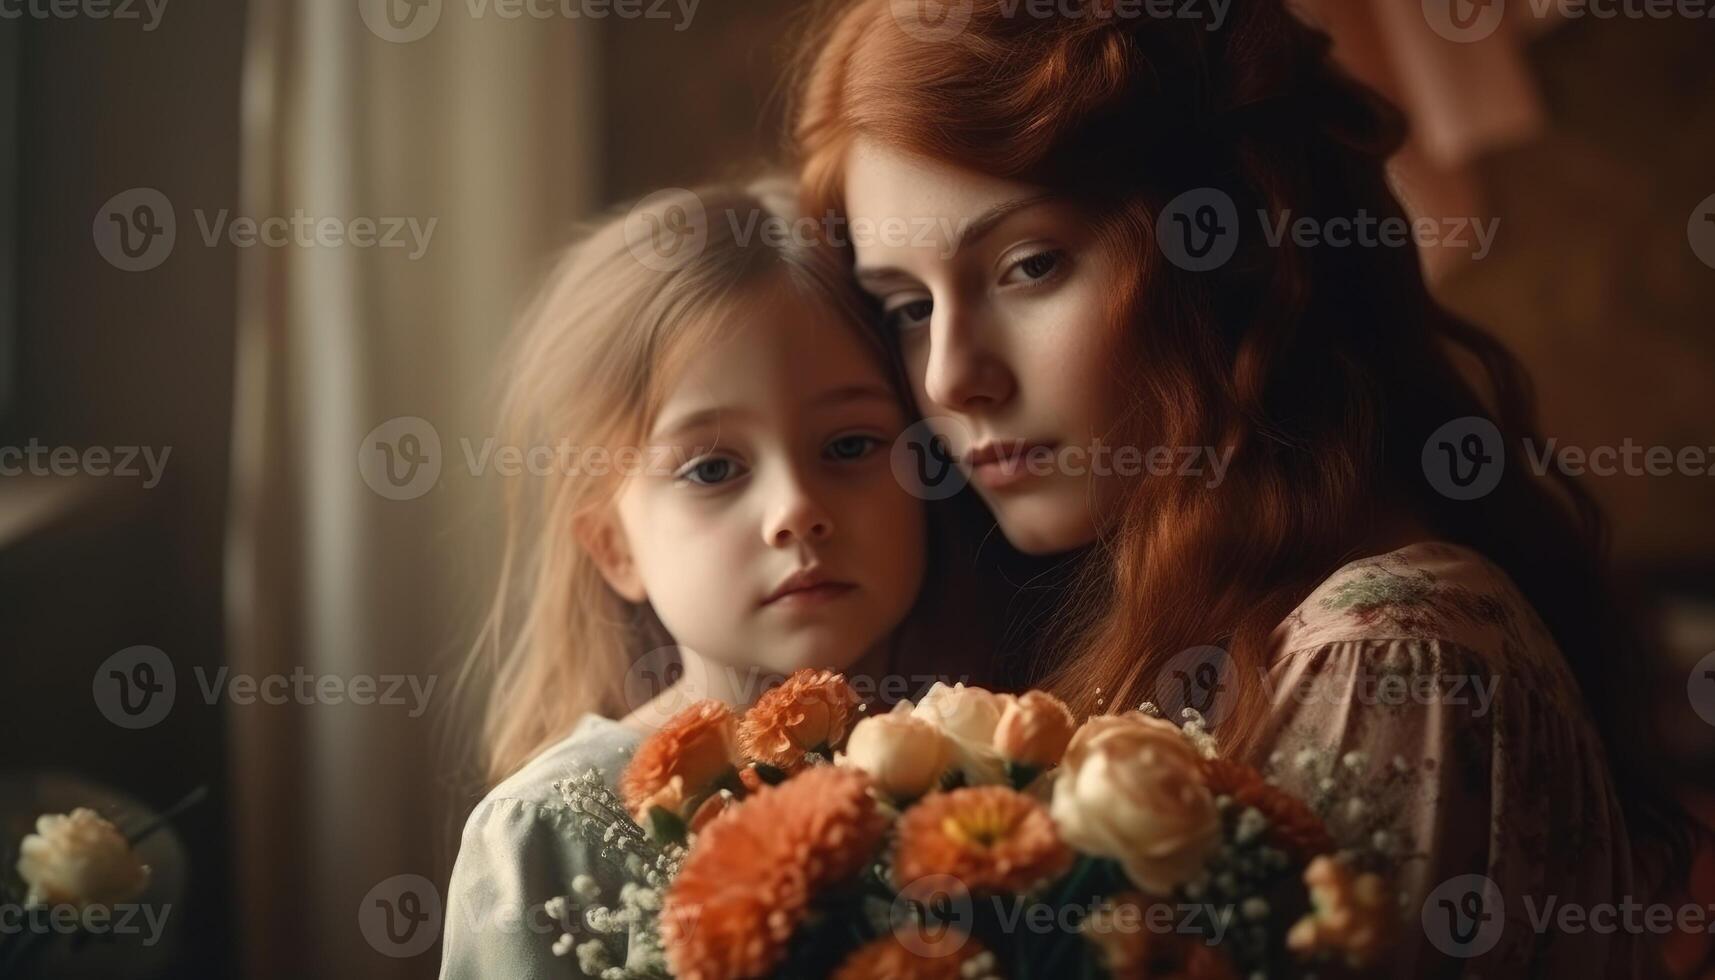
<point x="811" y="596"/>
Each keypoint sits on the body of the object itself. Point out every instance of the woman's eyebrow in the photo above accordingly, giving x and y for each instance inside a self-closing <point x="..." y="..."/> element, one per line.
<point x="968" y="235"/>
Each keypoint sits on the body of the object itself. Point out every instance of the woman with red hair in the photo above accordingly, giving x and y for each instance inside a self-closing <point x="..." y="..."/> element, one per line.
<point x="1135" y="259"/>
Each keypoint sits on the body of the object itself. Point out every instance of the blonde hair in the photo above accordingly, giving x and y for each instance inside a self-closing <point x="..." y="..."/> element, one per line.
<point x="590" y="363"/>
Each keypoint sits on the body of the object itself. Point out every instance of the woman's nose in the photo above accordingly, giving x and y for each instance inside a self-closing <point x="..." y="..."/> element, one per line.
<point x="963" y="374"/>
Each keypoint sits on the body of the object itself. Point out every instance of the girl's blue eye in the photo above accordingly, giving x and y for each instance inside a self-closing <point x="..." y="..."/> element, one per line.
<point x="911" y="314"/>
<point x="852" y="447"/>
<point x="709" y="472"/>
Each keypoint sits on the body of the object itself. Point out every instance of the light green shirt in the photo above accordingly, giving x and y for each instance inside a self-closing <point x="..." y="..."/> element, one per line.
<point x="521" y="848"/>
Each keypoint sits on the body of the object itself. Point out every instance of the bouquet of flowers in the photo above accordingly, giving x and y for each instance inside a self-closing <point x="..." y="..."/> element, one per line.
<point x="969" y="835"/>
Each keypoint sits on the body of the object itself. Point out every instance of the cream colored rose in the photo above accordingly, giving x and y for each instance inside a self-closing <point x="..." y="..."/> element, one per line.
<point x="903" y="754"/>
<point x="968" y="713"/>
<point x="1034" y="729"/>
<point x="967" y="716"/>
<point x="1131" y="788"/>
<point x="79" y="859"/>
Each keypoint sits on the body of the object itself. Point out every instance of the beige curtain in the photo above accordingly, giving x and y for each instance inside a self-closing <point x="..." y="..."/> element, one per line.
<point x="482" y="126"/>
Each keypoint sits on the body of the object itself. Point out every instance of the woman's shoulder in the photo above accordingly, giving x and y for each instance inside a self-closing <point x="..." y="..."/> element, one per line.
<point x="1431" y="592"/>
<point x="594" y="742"/>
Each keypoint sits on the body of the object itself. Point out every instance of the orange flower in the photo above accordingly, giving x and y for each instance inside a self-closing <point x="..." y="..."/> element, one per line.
<point x="1352" y="914"/>
<point x="1034" y="728"/>
<point x="682" y="761"/>
<point x="810" y="710"/>
<point x="754" y="870"/>
<point x="1292" y="823"/>
<point x="989" y="838"/>
<point x="889" y="959"/>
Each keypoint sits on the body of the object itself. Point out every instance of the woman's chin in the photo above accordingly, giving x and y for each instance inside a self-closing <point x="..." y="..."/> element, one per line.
<point x="1045" y="527"/>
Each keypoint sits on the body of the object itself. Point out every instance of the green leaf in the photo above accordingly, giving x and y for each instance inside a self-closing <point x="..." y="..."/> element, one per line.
<point x="1021" y="775"/>
<point x="665" y="826"/>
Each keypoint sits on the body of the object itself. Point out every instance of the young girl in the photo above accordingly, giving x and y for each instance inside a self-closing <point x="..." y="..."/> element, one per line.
<point x="722" y="503"/>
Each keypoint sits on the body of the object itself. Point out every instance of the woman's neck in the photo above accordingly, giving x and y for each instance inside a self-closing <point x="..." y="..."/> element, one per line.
<point x="1393" y="529"/>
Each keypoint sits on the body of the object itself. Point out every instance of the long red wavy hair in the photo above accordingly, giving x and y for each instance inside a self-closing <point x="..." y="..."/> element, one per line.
<point x="1325" y="370"/>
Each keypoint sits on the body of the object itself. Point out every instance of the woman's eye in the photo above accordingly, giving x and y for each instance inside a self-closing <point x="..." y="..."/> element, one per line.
<point x="709" y="472"/>
<point x="1037" y="267"/>
<point x="852" y="447"/>
<point x="909" y="315"/>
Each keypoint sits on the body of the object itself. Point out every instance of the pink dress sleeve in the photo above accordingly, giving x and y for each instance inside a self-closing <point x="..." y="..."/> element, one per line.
<point x="1425" y="672"/>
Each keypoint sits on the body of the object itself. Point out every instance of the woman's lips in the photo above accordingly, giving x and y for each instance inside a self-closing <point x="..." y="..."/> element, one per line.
<point x="997" y="465"/>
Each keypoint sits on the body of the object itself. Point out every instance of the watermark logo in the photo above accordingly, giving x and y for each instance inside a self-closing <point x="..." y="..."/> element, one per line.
<point x="135" y="230"/>
<point x="1464" y="21"/>
<point x="932" y="916"/>
<point x="664" y="682"/>
<point x="401" y="917"/>
<point x="135" y="688"/>
<point x="400" y="21"/>
<point x="1700" y="231"/>
<point x="1199" y="229"/>
<point x="923" y="462"/>
<point x="1463" y="459"/>
<point x="667" y="230"/>
<point x="932" y="21"/>
<point x="1200" y="679"/>
<point x="1700" y="687"/>
<point x="400" y="459"/>
<point x="1464" y="917"/>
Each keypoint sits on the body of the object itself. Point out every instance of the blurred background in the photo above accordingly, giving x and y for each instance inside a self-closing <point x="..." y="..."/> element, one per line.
<point x="244" y="453"/>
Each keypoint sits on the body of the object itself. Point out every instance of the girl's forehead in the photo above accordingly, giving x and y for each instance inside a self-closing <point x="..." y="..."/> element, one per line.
<point x="775" y="350"/>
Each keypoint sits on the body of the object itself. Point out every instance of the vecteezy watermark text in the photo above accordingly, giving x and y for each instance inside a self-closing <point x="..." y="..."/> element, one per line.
<point x="1464" y="458"/>
<point x="119" y="919"/>
<point x="148" y="11"/>
<point x="1469" y="21"/>
<point x="1199" y="230"/>
<point x="35" y="459"/>
<point x="404" y="21"/>
<point x="136" y="230"/>
<point x="137" y="687"/>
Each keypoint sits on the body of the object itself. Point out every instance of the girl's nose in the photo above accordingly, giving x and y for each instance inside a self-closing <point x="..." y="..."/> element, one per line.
<point x="797" y="516"/>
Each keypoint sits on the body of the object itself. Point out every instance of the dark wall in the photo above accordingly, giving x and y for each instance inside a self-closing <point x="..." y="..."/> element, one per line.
<point x="110" y="358"/>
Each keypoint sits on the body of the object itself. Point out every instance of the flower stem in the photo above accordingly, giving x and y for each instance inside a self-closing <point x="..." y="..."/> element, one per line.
<point x="166" y="816"/>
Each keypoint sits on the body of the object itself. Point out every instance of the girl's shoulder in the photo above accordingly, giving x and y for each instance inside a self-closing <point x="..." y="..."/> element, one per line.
<point x="523" y="846"/>
<point x="1431" y="592"/>
<point x="594" y="742"/>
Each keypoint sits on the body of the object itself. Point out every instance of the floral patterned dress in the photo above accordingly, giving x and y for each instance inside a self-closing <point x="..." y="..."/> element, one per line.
<point x="1426" y="669"/>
